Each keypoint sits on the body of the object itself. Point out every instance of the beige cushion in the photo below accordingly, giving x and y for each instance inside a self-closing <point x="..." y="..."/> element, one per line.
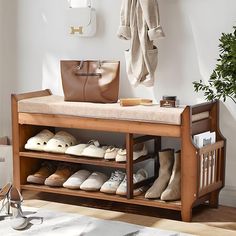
<point x="57" y="106"/>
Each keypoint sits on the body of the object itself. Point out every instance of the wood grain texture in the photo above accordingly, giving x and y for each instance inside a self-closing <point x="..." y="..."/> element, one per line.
<point x="120" y="126"/>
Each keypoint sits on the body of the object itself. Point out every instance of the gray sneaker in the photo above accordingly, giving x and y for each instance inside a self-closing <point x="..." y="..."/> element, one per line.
<point x="113" y="183"/>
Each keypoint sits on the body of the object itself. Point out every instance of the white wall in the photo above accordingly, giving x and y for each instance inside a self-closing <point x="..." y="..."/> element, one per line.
<point x="35" y="40"/>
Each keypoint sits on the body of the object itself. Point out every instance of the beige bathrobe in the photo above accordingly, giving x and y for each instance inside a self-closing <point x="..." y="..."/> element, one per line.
<point x="140" y="23"/>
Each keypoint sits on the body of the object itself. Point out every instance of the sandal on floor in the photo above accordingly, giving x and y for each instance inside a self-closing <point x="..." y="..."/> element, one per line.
<point x="60" y="142"/>
<point x="39" y="141"/>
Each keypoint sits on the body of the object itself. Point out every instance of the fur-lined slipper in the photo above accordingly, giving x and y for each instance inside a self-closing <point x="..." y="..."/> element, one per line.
<point x="39" y="141"/>
<point x="60" y="142"/>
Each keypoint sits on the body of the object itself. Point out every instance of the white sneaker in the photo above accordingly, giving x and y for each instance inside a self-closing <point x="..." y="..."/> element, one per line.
<point x="111" y="153"/>
<point x="94" y="182"/>
<point x="77" y="179"/>
<point x="94" y="150"/>
<point x="138" y="177"/>
<point x="113" y="183"/>
<point x="139" y="151"/>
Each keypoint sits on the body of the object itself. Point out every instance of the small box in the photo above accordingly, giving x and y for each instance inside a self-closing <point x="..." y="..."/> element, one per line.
<point x="168" y="101"/>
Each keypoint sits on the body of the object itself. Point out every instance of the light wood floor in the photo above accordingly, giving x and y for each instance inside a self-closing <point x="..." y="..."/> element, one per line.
<point x="206" y="221"/>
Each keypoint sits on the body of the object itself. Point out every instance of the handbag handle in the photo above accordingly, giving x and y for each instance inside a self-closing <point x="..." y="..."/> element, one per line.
<point x="89" y="3"/>
<point x="99" y="63"/>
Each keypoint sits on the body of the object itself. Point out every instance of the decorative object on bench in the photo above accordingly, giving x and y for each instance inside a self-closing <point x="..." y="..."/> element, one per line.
<point x="60" y="142"/>
<point x="173" y="190"/>
<point x="94" y="182"/>
<point x="124" y="102"/>
<point x="47" y="168"/>
<point x="168" y="101"/>
<point x="90" y="81"/>
<point x="76" y="179"/>
<point x="111" y="185"/>
<point x="81" y="21"/>
<point x="39" y="141"/>
<point x="166" y="160"/>
<point x="63" y="172"/>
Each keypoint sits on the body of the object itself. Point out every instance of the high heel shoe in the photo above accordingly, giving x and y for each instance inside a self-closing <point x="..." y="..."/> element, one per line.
<point x="18" y="221"/>
<point x="4" y="197"/>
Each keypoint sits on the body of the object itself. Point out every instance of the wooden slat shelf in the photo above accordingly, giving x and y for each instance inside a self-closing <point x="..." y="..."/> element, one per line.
<point x="81" y="159"/>
<point x="139" y="200"/>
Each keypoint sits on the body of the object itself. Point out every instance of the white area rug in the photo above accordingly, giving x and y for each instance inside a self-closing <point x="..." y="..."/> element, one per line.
<point x="58" y="223"/>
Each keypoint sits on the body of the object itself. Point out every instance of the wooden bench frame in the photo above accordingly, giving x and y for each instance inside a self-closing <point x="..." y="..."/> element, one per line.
<point x="26" y="125"/>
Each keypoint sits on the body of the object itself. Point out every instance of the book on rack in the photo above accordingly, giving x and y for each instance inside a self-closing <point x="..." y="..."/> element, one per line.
<point x="207" y="161"/>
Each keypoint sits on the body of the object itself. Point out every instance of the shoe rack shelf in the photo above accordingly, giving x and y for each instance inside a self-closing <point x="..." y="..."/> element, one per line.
<point x="193" y="192"/>
<point x="82" y="159"/>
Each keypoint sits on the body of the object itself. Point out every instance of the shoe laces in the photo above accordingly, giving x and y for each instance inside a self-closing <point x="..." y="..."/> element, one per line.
<point x="117" y="176"/>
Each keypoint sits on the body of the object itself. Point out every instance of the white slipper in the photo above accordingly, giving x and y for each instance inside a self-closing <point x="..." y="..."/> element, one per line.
<point x="76" y="150"/>
<point x="77" y="179"/>
<point x="94" y="150"/>
<point x="60" y="142"/>
<point x="94" y="182"/>
<point x="111" y="153"/>
<point x="139" y="151"/>
<point x="39" y="141"/>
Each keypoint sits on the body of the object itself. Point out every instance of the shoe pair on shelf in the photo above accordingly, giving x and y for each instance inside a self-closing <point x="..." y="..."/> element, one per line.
<point x="167" y="185"/>
<point x="117" y="184"/>
<point x="90" y="149"/>
<point x="11" y="202"/>
<point x="85" y="180"/>
<point x="52" y="174"/>
<point x="47" y="141"/>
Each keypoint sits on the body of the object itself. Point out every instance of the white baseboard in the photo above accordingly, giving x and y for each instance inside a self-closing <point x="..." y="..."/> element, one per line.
<point x="228" y="196"/>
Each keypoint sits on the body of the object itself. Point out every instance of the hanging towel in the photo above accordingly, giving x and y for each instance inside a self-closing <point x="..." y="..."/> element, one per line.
<point x="140" y="23"/>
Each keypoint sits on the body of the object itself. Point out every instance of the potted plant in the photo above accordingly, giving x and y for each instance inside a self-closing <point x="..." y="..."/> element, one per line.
<point x="222" y="82"/>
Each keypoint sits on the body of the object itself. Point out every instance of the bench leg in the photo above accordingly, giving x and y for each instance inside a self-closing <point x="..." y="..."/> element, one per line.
<point x="214" y="199"/>
<point x="186" y="214"/>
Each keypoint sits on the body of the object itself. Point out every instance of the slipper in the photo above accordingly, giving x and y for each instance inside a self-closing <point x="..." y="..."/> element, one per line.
<point x="139" y="151"/>
<point x="94" y="150"/>
<point x="77" y="179"/>
<point x="60" y="142"/>
<point x="39" y="141"/>
<point x="94" y="182"/>
<point x="76" y="150"/>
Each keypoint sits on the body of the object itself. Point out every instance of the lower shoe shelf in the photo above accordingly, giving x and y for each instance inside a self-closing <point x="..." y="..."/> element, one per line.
<point x="139" y="200"/>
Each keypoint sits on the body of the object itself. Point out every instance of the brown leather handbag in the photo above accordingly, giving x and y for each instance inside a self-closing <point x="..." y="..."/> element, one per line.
<point x="90" y="81"/>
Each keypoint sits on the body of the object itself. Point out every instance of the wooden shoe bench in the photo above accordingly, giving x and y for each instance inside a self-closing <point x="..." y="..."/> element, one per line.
<point x="29" y="117"/>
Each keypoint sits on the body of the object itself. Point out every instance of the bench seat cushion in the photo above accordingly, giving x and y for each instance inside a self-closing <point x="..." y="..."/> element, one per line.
<point x="56" y="105"/>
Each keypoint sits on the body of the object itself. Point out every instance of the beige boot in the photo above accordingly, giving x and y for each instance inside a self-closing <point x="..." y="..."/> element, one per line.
<point x="166" y="159"/>
<point x="173" y="192"/>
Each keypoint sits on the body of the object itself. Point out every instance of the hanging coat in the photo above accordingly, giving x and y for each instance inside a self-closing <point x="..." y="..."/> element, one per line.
<point x="139" y="22"/>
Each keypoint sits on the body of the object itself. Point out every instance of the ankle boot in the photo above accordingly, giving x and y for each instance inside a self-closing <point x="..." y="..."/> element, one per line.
<point x="18" y="221"/>
<point x="172" y="191"/>
<point x="166" y="159"/>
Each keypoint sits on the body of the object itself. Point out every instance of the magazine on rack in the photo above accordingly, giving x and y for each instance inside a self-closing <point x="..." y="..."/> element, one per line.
<point x="206" y="161"/>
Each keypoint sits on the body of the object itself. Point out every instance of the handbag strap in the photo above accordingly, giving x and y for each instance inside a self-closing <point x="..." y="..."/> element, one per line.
<point x="89" y="3"/>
